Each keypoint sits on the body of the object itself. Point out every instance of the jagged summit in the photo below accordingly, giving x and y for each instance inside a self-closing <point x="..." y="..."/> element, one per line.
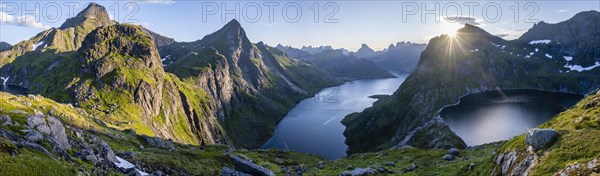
<point x="364" y="51"/>
<point x="94" y="13"/>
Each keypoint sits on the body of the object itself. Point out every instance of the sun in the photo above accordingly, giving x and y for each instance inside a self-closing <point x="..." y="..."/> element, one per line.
<point x="452" y="34"/>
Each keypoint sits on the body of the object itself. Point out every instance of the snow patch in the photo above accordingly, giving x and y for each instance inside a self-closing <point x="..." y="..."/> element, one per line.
<point x="548" y="56"/>
<point x="121" y="163"/>
<point x="474" y="50"/>
<point x="539" y="42"/>
<point x="165" y="58"/>
<point x="4" y="80"/>
<point x="580" y="68"/>
<point x="536" y="50"/>
<point x="568" y="58"/>
<point x="38" y="45"/>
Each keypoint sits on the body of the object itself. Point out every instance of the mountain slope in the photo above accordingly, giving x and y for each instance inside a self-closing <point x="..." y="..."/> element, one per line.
<point x="402" y="57"/>
<point x="116" y="74"/>
<point x="251" y="86"/>
<point x="64" y="39"/>
<point x="364" y="51"/>
<point x="449" y="68"/>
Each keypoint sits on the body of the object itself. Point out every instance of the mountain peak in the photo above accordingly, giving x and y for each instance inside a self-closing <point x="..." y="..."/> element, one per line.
<point x="93" y="11"/>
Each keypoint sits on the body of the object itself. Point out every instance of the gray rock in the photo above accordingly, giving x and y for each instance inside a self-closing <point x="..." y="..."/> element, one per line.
<point x="6" y="120"/>
<point x="390" y="164"/>
<point x="18" y="112"/>
<point x="359" y="172"/>
<point x="541" y="138"/>
<point x="523" y="167"/>
<point x="87" y="155"/>
<point x="454" y="151"/>
<point x="230" y="172"/>
<point x="507" y="161"/>
<point x="246" y="166"/>
<point x="413" y="167"/>
<point x="34" y="135"/>
<point x="50" y="126"/>
<point x="448" y="157"/>
<point x="157" y="142"/>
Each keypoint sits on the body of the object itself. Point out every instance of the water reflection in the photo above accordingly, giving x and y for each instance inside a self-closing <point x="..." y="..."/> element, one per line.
<point x="494" y="116"/>
<point x="313" y="126"/>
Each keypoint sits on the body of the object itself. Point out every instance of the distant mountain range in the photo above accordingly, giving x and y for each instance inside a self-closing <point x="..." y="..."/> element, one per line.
<point x="339" y="63"/>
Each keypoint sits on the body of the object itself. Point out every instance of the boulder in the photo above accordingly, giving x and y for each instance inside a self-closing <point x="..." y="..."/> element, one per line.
<point x="413" y="167"/>
<point x="246" y="166"/>
<point x="359" y="172"/>
<point x="454" y="151"/>
<point x="230" y="172"/>
<point x="50" y="126"/>
<point x="541" y="138"/>
<point x="448" y="157"/>
<point x="33" y="135"/>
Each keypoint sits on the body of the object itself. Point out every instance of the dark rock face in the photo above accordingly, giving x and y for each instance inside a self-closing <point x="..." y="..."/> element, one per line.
<point x="246" y="166"/>
<point x="541" y="138"/>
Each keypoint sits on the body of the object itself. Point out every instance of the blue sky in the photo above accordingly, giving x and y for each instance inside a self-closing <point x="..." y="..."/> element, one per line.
<point x="376" y="23"/>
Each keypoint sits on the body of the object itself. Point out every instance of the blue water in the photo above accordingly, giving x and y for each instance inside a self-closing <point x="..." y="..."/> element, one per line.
<point x="313" y="126"/>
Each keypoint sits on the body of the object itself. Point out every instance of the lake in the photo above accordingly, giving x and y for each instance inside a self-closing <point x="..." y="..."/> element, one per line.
<point x="500" y="115"/>
<point x="313" y="126"/>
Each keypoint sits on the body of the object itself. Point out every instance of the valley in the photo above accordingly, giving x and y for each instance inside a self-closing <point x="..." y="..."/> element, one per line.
<point x="95" y="96"/>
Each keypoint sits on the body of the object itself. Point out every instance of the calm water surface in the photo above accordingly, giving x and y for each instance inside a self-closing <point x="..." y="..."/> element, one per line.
<point x="313" y="126"/>
<point x="499" y="115"/>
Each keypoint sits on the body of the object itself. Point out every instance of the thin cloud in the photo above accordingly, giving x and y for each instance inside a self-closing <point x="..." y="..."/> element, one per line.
<point x="25" y="21"/>
<point x="562" y="10"/>
<point x="463" y="20"/>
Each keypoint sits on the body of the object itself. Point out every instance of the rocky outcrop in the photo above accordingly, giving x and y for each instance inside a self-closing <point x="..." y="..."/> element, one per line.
<point x="245" y="166"/>
<point x="541" y="138"/>
<point x="50" y="126"/>
<point x="590" y="168"/>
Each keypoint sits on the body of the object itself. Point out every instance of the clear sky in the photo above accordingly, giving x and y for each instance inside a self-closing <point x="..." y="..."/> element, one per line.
<point x="341" y="24"/>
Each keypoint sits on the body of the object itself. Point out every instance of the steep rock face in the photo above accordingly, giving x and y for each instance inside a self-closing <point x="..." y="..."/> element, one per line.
<point x="250" y="86"/>
<point x="578" y="37"/>
<point x="473" y="61"/>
